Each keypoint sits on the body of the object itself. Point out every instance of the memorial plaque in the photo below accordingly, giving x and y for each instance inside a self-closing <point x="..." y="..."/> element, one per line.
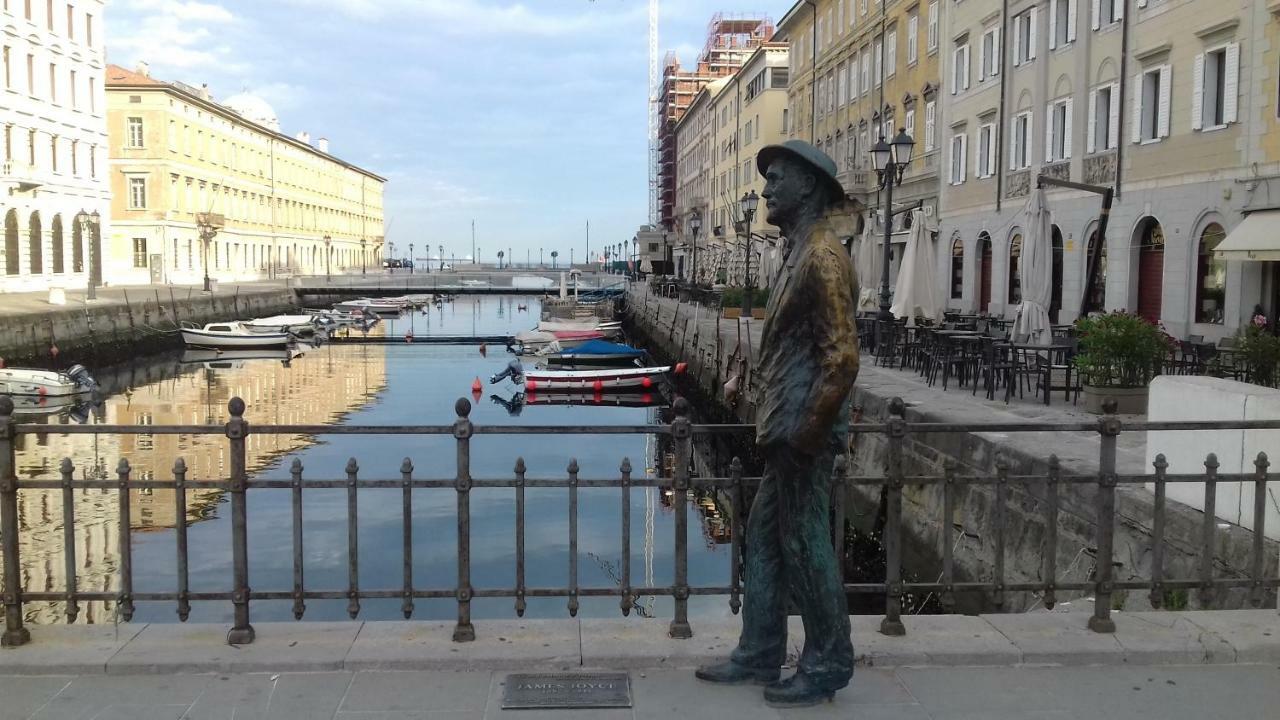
<point x="539" y="691"/>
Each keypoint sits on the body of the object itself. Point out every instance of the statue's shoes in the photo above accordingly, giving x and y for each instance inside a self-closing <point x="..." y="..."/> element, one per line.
<point x="797" y="691"/>
<point x="731" y="673"/>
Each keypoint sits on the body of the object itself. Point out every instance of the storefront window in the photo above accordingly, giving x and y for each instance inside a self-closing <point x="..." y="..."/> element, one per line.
<point x="1015" y="281"/>
<point x="957" y="269"/>
<point x="1211" y="277"/>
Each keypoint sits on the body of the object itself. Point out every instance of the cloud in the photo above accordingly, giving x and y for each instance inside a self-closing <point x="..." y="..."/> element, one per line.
<point x="472" y="18"/>
<point x="172" y="34"/>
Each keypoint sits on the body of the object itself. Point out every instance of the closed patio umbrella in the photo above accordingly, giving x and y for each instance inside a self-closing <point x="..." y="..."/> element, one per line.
<point x="867" y="265"/>
<point x="916" y="292"/>
<point x="1036" y="271"/>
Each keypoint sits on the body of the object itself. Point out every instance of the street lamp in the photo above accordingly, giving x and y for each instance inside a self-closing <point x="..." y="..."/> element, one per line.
<point x="539" y="257"/>
<point x="749" y="204"/>
<point x="554" y="254"/>
<point x="695" y="226"/>
<point x="441" y="256"/>
<point x="328" y="253"/>
<point x="410" y="258"/>
<point x="890" y="161"/>
<point x="87" y="221"/>
<point x="364" y="259"/>
<point x="205" y="227"/>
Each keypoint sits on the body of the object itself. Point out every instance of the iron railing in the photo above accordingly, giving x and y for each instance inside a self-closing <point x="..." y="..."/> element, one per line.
<point x="681" y="431"/>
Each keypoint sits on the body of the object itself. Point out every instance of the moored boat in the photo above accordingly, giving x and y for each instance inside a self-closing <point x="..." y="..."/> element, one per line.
<point x="528" y="342"/>
<point x="232" y="335"/>
<point x="31" y="382"/>
<point x="296" y="324"/>
<point x="540" y="380"/>
<point x="597" y="353"/>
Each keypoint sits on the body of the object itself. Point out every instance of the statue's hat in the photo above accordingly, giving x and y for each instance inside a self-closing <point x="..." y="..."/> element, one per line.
<point x="806" y="153"/>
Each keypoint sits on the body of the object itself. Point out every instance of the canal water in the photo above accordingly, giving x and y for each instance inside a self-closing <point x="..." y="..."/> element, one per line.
<point x="348" y="384"/>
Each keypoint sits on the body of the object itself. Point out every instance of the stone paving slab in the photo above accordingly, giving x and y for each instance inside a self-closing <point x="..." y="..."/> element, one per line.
<point x="933" y="640"/>
<point x="280" y="647"/>
<point x="68" y="649"/>
<point x="1254" y="634"/>
<point x="1049" y="638"/>
<point x="500" y="644"/>
<point x="1170" y="639"/>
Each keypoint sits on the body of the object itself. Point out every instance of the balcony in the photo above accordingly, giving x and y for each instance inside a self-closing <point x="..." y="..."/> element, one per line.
<point x="19" y="177"/>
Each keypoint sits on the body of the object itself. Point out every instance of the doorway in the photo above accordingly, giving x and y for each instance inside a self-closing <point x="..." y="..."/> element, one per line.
<point x="984" y="279"/>
<point x="1055" y="300"/>
<point x="1150" y="239"/>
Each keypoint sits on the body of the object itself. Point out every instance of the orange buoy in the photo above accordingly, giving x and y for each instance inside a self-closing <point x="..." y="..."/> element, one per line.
<point x="476" y="385"/>
<point x="681" y="367"/>
<point x="531" y="385"/>
<point x="646" y="382"/>
<point x="598" y="386"/>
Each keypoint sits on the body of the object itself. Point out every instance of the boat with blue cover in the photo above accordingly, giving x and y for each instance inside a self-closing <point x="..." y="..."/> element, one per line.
<point x="594" y="353"/>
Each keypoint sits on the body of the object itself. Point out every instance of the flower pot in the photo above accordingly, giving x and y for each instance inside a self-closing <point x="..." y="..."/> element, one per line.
<point x="731" y="313"/>
<point x="1129" y="401"/>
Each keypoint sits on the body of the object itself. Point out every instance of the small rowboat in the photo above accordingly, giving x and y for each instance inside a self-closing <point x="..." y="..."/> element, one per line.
<point x="232" y="335"/>
<point x="529" y="342"/>
<point x="390" y="306"/>
<point x="34" y="383"/>
<point x="296" y="324"/>
<point x="593" y="381"/>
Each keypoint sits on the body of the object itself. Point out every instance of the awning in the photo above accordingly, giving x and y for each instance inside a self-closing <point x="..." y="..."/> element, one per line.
<point x="1256" y="238"/>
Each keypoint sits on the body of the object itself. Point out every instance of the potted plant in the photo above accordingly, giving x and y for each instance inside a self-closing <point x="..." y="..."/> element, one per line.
<point x="1119" y="354"/>
<point x="1260" y="351"/>
<point x="731" y="302"/>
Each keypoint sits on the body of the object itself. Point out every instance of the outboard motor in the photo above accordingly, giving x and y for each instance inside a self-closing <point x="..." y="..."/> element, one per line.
<point x="82" y="378"/>
<point x="513" y="370"/>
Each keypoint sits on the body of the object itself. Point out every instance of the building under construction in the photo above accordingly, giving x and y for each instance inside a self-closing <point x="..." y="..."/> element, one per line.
<point x="730" y="41"/>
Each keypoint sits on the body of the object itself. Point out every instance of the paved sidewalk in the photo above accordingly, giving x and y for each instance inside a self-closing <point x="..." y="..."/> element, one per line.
<point x="965" y="693"/>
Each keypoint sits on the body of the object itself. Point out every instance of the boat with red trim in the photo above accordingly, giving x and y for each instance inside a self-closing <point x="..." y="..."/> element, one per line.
<point x="538" y="380"/>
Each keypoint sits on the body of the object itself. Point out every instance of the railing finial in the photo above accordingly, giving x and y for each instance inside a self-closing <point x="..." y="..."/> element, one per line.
<point x="236" y="407"/>
<point x="406" y="466"/>
<point x="66" y="466"/>
<point x="122" y="467"/>
<point x="462" y="407"/>
<point x="897" y="407"/>
<point x="681" y="406"/>
<point x="1109" y="406"/>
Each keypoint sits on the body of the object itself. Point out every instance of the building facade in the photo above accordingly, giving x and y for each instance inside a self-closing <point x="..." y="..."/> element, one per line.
<point x="270" y="205"/>
<point x="1170" y="102"/>
<point x="53" y="116"/>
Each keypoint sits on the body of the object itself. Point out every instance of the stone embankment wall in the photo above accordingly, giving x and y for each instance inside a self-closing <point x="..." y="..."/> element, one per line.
<point x="677" y="334"/>
<point x="140" y="321"/>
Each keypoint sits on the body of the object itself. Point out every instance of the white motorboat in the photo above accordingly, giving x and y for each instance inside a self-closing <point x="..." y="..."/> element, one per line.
<point x="611" y="329"/>
<point x="30" y="382"/>
<point x="529" y="342"/>
<point x="232" y="335"/>
<point x="296" y="324"/>
<point x="211" y="355"/>
<point x="538" y="380"/>
<point x="383" y="305"/>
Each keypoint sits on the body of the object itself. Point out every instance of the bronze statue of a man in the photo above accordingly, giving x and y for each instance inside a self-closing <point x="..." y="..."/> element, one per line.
<point x="807" y="365"/>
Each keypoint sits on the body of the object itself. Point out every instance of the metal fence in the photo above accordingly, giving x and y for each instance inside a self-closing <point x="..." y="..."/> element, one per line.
<point x="681" y="431"/>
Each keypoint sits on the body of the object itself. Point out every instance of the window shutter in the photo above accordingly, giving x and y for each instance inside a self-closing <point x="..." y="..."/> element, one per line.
<point x="1013" y="144"/>
<point x="964" y="156"/>
<point x="995" y="61"/>
<point x="1053" y="23"/>
<point x="1071" y="20"/>
<point x="1017" y="43"/>
<point x="1231" y="85"/>
<point x="910" y="123"/>
<point x="913" y="37"/>
<point x="982" y="60"/>
<point x="1137" y="107"/>
<point x="1097" y="14"/>
<point x="1031" y="41"/>
<point x="955" y="71"/>
<point x="1091" y="137"/>
<point x="1113" y="122"/>
<point x="991" y="150"/>
<point x="891" y="53"/>
<point x="1117" y="10"/>
<point x="1066" y="129"/>
<point x="928" y="125"/>
<point x="1031" y="117"/>
<point x="1197" y="93"/>
<point x="1048" y="132"/>
<point x="966" y="67"/>
<point x="1166" y="72"/>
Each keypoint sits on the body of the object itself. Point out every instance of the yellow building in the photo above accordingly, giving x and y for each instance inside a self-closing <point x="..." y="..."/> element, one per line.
<point x="278" y="205"/>
<point x="860" y="69"/>
<point x="320" y="387"/>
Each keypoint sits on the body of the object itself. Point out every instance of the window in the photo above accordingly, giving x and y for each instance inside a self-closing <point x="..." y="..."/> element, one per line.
<point x="71" y="22"/>
<point x="960" y="68"/>
<point x="8" y="72"/>
<point x="1015" y="281"/>
<point x="959" y="157"/>
<point x="1020" y="142"/>
<point x="135" y="132"/>
<point x="986" y="150"/>
<point x="957" y="269"/>
<point x="93" y="95"/>
<point x="891" y="53"/>
<point x="879" y="62"/>
<point x="53" y="83"/>
<point x="1151" y="105"/>
<point x="75" y="95"/>
<point x="1215" y="88"/>
<point x="1106" y="12"/>
<point x="26" y="7"/>
<point x="1062" y="23"/>
<point x="842" y="86"/>
<point x="989" y="65"/>
<point x="31" y="148"/>
<point x="53" y="153"/>
<point x="929" y="125"/>
<point x="1211" y="277"/>
<point x="1057" y="129"/>
<point x="31" y="74"/>
<point x="913" y="39"/>
<point x="1024" y="36"/>
<point x="139" y="252"/>
<point x="933" y="25"/>
<point x="1104" y="118"/>
<point x="853" y="79"/>
<point x="48" y="15"/>
<point x="93" y="162"/>
<point x="88" y="30"/>
<point x="137" y="193"/>
<point x="866" y="72"/>
<point x="909" y="123"/>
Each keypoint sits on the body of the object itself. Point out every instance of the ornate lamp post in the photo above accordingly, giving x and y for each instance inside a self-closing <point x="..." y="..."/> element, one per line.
<point x="207" y="231"/>
<point x="749" y="202"/>
<point x="890" y="162"/>
<point x="695" y="226"/>
<point x="391" y="253"/>
<point x="441" y="256"/>
<point x="87" y="222"/>
<point x="539" y="257"/>
<point x="554" y="254"/>
<point x="364" y="259"/>
<point x="410" y="258"/>
<point x="328" y="253"/>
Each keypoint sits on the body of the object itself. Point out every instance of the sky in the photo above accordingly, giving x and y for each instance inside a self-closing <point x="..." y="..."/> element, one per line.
<point x="528" y="118"/>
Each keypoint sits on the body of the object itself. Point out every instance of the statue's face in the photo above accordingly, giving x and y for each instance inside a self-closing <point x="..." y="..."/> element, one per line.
<point x="787" y="185"/>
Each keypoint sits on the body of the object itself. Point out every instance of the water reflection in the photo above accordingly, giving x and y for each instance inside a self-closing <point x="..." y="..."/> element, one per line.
<point x="355" y="384"/>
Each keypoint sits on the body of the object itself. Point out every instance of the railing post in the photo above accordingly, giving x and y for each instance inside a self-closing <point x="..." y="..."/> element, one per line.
<point x="573" y="537"/>
<point x="521" y="603"/>
<point x="1208" y="529"/>
<point x="67" y="469"/>
<point x="237" y="429"/>
<point x="1051" y="533"/>
<point x="464" y="631"/>
<point x="1108" y="431"/>
<point x="1161" y="466"/>
<point x="295" y="494"/>
<point x="406" y="496"/>
<point x="180" y="525"/>
<point x="736" y="540"/>
<point x="353" y="540"/>
<point x="1261" y="463"/>
<point x="125" y="601"/>
<point x="681" y="433"/>
<point x="14" y="633"/>
<point x="627" y="601"/>
<point x="892" y="540"/>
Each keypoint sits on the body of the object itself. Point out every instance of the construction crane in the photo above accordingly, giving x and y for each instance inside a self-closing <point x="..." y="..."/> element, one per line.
<point x="653" y="105"/>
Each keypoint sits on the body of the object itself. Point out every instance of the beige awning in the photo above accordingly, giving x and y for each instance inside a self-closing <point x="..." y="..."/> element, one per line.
<point x="1256" y="238"/>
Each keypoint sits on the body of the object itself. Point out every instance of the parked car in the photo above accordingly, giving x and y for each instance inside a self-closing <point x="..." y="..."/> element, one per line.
<point x="391" y="263"/>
